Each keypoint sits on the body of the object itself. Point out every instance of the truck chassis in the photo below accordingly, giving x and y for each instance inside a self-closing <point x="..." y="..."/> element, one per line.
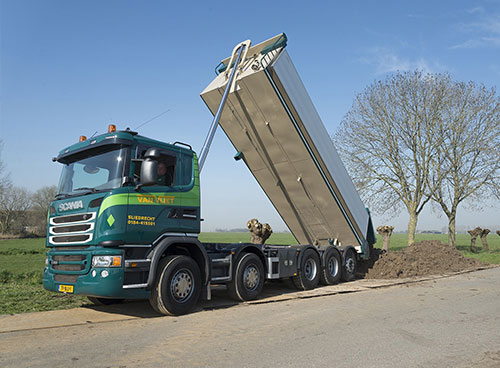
<point x="177" y="275"/>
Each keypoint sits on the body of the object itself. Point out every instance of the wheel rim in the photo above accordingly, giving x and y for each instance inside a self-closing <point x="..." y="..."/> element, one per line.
<point x="310" y="269"/>
<point x="349" y="265"/>
<point x="333" y="266"/>
<point x="181" y="285"/>
<point x="251" y="277"/>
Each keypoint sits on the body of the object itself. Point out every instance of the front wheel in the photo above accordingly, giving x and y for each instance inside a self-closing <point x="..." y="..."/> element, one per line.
<point x="248" y="278"/>
<point x="350" y="265"/>
<point x="177" y="287"/>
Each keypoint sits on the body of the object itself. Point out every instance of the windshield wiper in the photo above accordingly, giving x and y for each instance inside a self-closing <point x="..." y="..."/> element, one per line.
<point x="66" y="195"/>
<point x="91" y="190"/>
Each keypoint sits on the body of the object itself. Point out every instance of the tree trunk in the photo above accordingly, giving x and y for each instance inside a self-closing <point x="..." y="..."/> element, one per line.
<point x="485" y="233"/>
<point x="386" y="232"/>
<point x="4" y="225"/>
<point x="473" y="236"/>
<point x="452" y="239"/>
<point x="412" y="227"/>
<point x="387" y="239"/>
<point x="472" y="243"/>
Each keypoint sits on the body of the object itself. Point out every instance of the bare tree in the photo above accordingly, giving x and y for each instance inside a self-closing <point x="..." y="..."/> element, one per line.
<point x="385" y="231"/>
<point x="41" y="200"/>
<point x="467" y="165"/>
<point x="474" y="233"/>
<point x="4" y="175"/>
<point x="388" y="140"/>
<point x="14" y="202"/>
<point x="6" y="216"/>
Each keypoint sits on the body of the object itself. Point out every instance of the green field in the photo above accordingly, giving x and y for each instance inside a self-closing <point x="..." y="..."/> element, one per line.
<point x="21" y="268"/>
<point x="22" y="262"/>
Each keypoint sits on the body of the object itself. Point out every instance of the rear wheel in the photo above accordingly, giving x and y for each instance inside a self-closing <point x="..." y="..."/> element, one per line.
<point x="309" y="274"/>
<point x="104" y="301"/>
<point x="177" y="287"/>
<point x="350" y="265"/>
<point x="248" y="278"/>
<point x="330" y="275"/>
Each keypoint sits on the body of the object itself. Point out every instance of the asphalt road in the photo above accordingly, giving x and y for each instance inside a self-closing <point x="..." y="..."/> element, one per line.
<point x="448" y="322"/>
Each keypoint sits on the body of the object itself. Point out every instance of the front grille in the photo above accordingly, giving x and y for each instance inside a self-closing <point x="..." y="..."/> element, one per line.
<point x="69" y="258"/>
<point x="66" y="278"/>
<point x="82" y="247"/>
<point x="83" y="238"/>
<point x="69" y="262"/>
<point x="68" y="267"/>
<point x="80" y="217"/>
<point x="71" y="228"/>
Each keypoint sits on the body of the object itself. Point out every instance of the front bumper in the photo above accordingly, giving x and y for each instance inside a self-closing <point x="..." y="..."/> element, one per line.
<point x="90" y="280"/>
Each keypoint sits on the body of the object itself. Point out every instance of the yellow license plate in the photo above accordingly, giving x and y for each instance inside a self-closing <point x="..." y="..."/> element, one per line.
<point x="65" y="288"/>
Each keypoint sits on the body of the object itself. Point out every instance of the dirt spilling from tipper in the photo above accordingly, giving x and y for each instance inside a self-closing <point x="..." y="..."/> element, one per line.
<point x="429" y="257"/>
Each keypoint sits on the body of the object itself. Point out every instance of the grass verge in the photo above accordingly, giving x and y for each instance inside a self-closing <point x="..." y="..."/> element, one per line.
<point x="21" y="297"/>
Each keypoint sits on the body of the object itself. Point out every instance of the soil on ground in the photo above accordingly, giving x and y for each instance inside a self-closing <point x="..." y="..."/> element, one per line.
<point x="429" y="257"/>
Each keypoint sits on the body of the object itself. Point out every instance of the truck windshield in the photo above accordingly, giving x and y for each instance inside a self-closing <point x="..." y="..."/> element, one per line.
<point x="93" y="172"/>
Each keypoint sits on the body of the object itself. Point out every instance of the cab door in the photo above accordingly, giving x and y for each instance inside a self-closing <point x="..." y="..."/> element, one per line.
<point x="154" y="210"/>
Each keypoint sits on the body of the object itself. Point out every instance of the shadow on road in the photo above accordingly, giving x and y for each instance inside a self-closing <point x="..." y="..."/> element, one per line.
<point x="220" y="300"/>
<point x="132" y="308"/>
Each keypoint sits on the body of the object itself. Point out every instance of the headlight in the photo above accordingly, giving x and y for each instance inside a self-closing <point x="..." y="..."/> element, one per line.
<point x="106" y="261"/>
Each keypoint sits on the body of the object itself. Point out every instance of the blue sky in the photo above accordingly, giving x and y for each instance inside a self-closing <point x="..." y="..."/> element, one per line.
<point x="70" y="68"/>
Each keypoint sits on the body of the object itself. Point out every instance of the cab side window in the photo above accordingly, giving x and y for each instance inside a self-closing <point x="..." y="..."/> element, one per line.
<point x="166" y="166"/>
<point x="166" y="170"/>
<point x="185" y="172"/>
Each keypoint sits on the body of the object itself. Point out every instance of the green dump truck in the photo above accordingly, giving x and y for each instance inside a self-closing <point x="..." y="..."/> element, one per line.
<point x="126" y="219"/>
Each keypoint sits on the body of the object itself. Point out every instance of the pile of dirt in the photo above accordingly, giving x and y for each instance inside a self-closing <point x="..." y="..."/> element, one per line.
<point x="429" y="257"/>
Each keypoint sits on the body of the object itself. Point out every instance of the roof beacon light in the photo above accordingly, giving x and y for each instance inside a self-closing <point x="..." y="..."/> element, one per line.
<point x="111" y="128"/>
<point x="83" y="138"/>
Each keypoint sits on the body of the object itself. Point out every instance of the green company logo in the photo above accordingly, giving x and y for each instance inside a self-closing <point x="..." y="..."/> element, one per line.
<point x="111" y="220"/>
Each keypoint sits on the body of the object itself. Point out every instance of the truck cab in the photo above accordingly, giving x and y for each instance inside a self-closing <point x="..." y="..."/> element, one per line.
<point x="105" y="220"/>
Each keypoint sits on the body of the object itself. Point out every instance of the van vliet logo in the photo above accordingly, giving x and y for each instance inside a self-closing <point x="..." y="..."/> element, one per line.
<point x="70" y="206"/>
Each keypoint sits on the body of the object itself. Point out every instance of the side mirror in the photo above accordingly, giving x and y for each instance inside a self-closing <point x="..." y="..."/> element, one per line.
<point x="149" y="167"/>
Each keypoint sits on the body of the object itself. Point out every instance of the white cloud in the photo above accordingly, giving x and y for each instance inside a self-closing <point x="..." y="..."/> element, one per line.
<point x="491" y="24"/>
<point x="386" y="60"/>
<point x="478" y="42"/>
<point x="484" y="32"/>
<point x="475" y="10"/>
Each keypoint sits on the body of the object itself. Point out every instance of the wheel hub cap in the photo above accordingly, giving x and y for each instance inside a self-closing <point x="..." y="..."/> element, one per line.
<point x="181" y="286"/>
<point x="251" y="277"/>
<point x="349" y="265"/>
<point x="333" y="267"/>
<point x="310" y="269"/>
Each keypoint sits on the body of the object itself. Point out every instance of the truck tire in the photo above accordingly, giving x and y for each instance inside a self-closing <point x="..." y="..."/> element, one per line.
<point x="248" y="278"/>
<point x="104" y="301"/>
<point x="330" y="275"/>
<point x="308" y="276"/>
<point x="350" y="265"/>
<point x="177" y="286"/>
